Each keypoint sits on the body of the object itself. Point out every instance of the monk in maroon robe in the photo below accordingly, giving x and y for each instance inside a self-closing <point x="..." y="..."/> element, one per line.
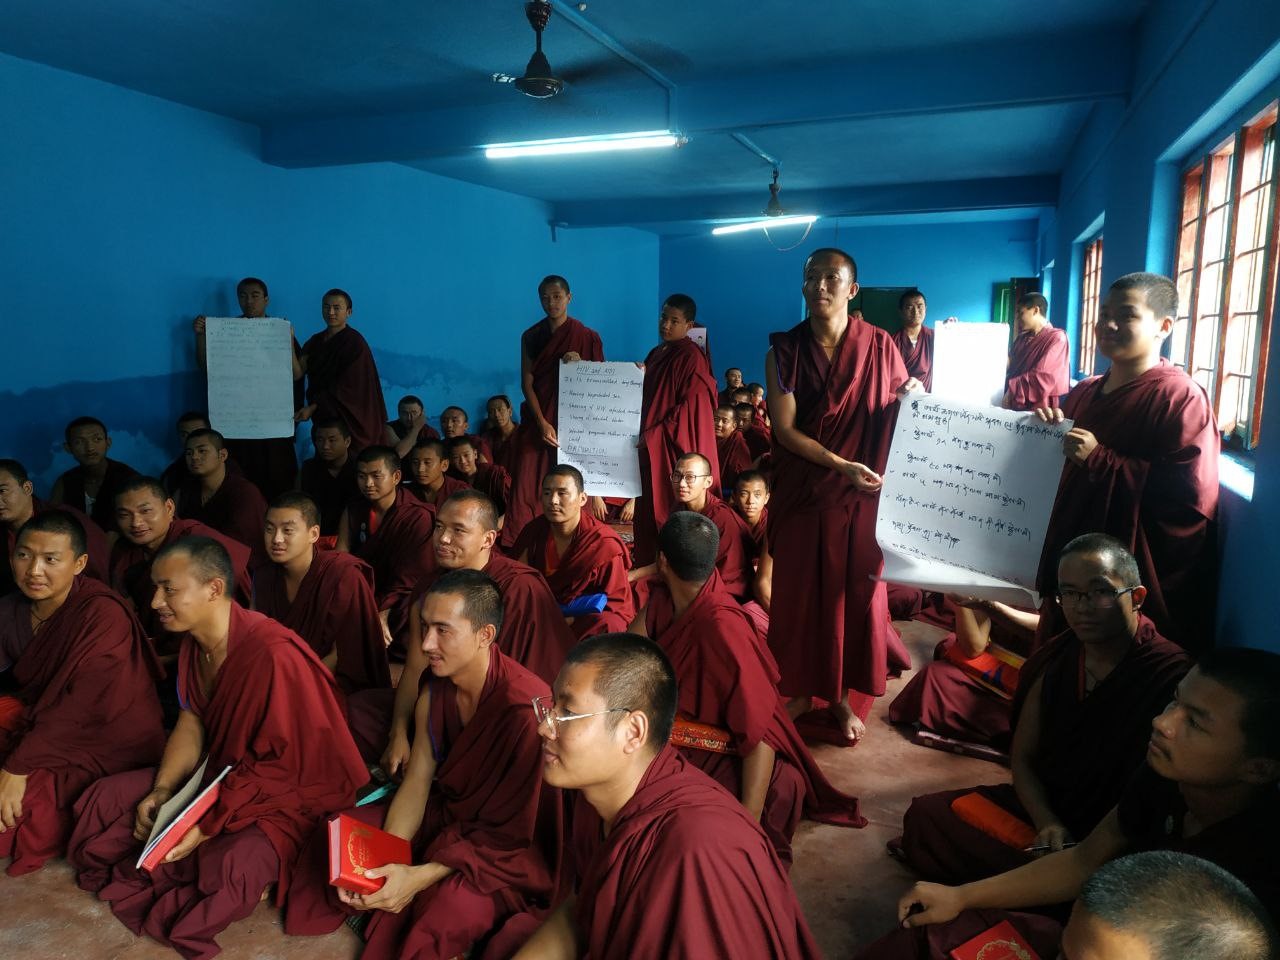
<point x="751" y="502"/>
<point x="832" y="399"/>
<point x="329" y="478"/>
<point x="454" y="423"/>
<point x="325" y="597"/>
<point x="255" y="699"/>
<point x="484" y="847"/>
<point x="914" y="340"/>
<point x="90" y="486"/>
<point x="229" y="504"/>
<point x="489" y="478"/>
<point x="731" y="448"/>
<point x="1207" y="788"/>
<point x="429" y="479"/>
<point x="1039" y="371"/>
<point x="732" y="384"/>
<point x="390" y="530"/>
<point x="579" y="555"/>
<point x="1142" y="465"/>
<point x="727" y="680"/>
<point x="86" y="703"/>
<point x="556" y="338"/>
<point x="501" y="432"/>
<point x="342" y="379"/>
<point x="757" y="437"/>
<point x="18" y="504"/>
<point x="1081" y="718"/>
<point x="409" y="426"/>
<point x="669" y="863"/>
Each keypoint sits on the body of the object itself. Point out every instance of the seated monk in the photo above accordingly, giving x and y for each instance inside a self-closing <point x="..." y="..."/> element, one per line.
<point x="751" y="502"/>
<point x="409" y="426"/>
<point x="86" y="703"/>
<point x="489" y="478"/>
<point x="455" y="423"/>
<point x="324" y="596"/>
<point x="219" y="499"/>
<point x="1207" y="788"/>
<point x="389" y="529"/>
<point x="536" y="636"/>
<point x="1081" y="719"/>
<point x="429" y="478"/>
<point x="759" y="440"/>
<point x="255" y="699"/>
<point x="669" y="864"/>
<point x="469" y="803"/>
<point x="732" y="384"/>
<point x="728" y="680"/>
<point x="19" y="503"/>
<point x="966" y="692"/>
<point x="146" y="521"/>
<point x="329" y="478"/>
<point x="91" y="484"/>
<point x="758" y="401"/>
<point x="176" y="471"/>
<point x="501" y="430"/>
<point x="731" y="448"/>
<point x="579" y="555"/>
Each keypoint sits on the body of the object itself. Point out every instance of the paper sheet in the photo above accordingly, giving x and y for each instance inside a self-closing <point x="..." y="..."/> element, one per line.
<point x="250" y="365"/>
<point x="599" y="424"/>
<point x="969" y="361"/>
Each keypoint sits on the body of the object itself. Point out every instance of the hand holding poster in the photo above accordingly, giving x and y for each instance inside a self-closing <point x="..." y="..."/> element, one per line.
<point x="599" y="424"/>
<point x="966" y="499"/>
<point x="969" y="361"/>
<point x="250" y="366"/>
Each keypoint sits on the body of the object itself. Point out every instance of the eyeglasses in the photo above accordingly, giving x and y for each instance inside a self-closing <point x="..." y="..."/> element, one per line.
<point x="1099" y="599"/>
<point x="543" y="707"/>
<point x="689" y="477"/>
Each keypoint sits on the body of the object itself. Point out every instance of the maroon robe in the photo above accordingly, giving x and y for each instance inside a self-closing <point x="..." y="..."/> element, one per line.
<point x="1039" y="370"/>
<point x="236" y="510"/>
<point x="89" y="709"/>
<point x="488" y="816"/>
<point x="734" y="457"/>
<point x="759" y="534"/>
<point x="829" y="620"/>
<point x="727" y="679"/>
<point x="490" y="479"/>
<point x="596" y="561"/>
<point x="273" y="717"/>
<point x="1090" y="744"/>
<point x="333" y="610"/>
<point x="917" y="357"/>
<point x="99" y="565"/>
<point x="677" y="417"/>
<point x="503" y="448"/>
<point x="448" y="486"/>
<point x="342" y="381"/>
<point x="758" y="440"/>
<point x="103" y="512"/>
<point x="683" y="872"/>
<point x="331" y="493"/>
<point x="736" y="554"/>
<point x="399" y="551"/>
<point x="531" y="458"/>
<point x="1152" y="483"/>
<point x="425" y="432"/>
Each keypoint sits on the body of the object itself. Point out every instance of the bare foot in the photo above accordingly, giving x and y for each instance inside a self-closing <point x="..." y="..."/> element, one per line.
<point x="848" y="722"/>
<point x="798" y="706"/>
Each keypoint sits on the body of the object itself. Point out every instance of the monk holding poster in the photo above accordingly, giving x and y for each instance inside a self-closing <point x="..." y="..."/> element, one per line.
<point x="833" y="390"/>
<point x="1039" y="372"/>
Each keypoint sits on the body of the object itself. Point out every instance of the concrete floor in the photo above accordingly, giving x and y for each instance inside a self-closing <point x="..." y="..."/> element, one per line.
<point x="846" y="882"/>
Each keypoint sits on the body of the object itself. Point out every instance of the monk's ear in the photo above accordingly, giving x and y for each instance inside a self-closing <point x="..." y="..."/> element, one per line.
<point x="222" y="455"/>
<point x="634" y="730"/>
<point x="490" y="538"/>
<point x="313" y="534"/>
<point x="170" y="508"/>
<point x="444" y="464"/>
<point x="487" y="634"/>
<point x="396" y="477"/>
<point x="29" y="488"/>
<point x="82" y="561"/>
<point x="217" y="588"/>
<point x="1139" y="595"/>
<point x="853" y="289"/>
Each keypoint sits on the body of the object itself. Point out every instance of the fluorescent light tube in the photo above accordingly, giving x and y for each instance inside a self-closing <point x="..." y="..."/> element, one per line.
<point x="567" y="145"/>
<point x="762" y="224"/>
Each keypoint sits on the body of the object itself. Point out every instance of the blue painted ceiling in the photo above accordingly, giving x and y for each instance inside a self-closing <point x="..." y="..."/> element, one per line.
<point x="860" y="101"/>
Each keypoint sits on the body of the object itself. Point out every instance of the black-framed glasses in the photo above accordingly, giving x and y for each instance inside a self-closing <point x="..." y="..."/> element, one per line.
<point x="690" y="477"/>
<point x="1101" y="598"/>
<point x="544" y="710"/>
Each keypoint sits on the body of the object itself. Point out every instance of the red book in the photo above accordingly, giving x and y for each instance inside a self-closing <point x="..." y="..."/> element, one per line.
<point x="175" y="818"/>
<point x="1001" y="942"/>
<point x="354" y="847"/>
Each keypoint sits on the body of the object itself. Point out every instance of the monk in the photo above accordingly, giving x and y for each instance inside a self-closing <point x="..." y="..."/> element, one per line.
<point x="389" y="529"/>
<point x="91" y="485"/>
<point x="255" y="699"/>
<point x="176" y="471"/>
<point x="342" y="379"/>
<point x="19" y="503"/>
<point x="272" y="464"/>
<point x="1039" y="371"/>
<point x="676" y="416"/>
<point x="501" y="430"/>
<point x="1081" y="720"/>
<point x="751" y="502"/>
<point x="1141" y="465"/>
<point x="914" y="339"/>
<point x="329" y="478"/>
<point x="455" y="423"/>
<point x="732" y="382"/>
<point x="758" y="401"/>
<point x="731" y="449"/>
<point x="536" y="635"/>
<point x="580" y="556"/>
<point x="556" y="338"/>
<point x="429" y="477"/>
<point x="758" y="439"/>
<point x="1207" y="788"/>
<point x="483" y="851"/>
<point x="409" y="426"/>
<point x="324" y="596"/>
<point x="86" y="705"/>
<point x="727" y="680"/>
<point x="228" y="503"/>
<point x="489" y="478"/>
<point x="669" y="864"/>
<point x="833" y="388"/>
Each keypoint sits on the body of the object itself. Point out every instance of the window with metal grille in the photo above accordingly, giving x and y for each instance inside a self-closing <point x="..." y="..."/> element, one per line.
<point x="1090" y="291"/>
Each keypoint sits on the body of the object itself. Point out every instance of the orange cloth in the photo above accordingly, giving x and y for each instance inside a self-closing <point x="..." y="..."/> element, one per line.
<point x="993" y="820"/>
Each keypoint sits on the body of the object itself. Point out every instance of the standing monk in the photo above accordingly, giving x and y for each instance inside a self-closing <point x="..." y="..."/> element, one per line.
<point x="19" y="503"/>
<point x="1142" y="465"/>
<point x="833" y="385"/>
<point x="554" y="339"/>
<point x="342" y="379"/>
<point x="914" y="339"/>
<point x="677" y="416"/>
<point x="91" y="484"/>
<point x="86" y="705"/>
<point x="1039" y="370"/>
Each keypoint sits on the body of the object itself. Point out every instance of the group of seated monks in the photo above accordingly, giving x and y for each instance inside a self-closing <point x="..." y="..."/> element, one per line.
<point x="596" y="747"/>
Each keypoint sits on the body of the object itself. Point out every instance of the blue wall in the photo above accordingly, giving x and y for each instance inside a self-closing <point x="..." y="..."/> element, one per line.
<point x="125" y="215"/>
<point x="745" y="289"/>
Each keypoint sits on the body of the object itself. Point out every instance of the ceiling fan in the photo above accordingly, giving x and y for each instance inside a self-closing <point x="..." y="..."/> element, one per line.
<point x="538" y="81"/>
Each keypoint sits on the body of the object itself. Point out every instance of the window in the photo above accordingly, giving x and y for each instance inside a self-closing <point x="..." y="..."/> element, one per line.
<point x="1090" y="291"/>
<point x="1226" y="274"/>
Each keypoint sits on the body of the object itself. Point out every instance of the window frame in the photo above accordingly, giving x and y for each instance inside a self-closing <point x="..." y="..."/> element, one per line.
<point x="1092" y="251"/>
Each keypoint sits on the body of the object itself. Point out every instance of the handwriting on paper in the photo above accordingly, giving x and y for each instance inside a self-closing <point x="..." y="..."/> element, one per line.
<point x="250" y="365"/>
<point x="599" y="424"/>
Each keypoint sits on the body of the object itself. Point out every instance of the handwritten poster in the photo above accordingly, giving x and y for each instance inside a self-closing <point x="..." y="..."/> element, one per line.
<point x="969" y="362"/>
<point x="599" y="424"/>
<point x="699" y="336"/>
<point x="966" y="498"/>
<point x="250" y="364"/>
